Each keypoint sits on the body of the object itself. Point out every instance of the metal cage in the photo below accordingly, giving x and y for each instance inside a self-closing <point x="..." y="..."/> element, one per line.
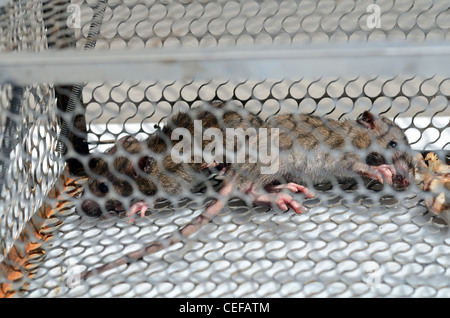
<point x="77" y="75"/>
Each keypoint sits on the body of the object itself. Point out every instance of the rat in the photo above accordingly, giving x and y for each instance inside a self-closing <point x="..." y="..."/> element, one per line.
<point x="133" y="171"/>
<point x="310" y="148"/>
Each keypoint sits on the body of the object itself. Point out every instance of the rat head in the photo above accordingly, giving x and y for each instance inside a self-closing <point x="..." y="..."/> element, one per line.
<point x="115" y="175"/>
<point x="394" y="148"/>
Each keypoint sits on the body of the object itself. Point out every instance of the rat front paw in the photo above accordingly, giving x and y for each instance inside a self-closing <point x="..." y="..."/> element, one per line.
<point x="381" y="173"/>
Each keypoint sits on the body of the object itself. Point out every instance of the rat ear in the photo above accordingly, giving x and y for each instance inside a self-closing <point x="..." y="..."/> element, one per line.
<point x="126" y="141"/>
<point x="129" y="144"/>
<point x="367" y="119"/>
<point x="146" y="163"/>
<point x="131" y="171"/>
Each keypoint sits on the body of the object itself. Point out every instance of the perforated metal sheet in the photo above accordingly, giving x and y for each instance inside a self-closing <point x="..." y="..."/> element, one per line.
<point x="354" y="243"/>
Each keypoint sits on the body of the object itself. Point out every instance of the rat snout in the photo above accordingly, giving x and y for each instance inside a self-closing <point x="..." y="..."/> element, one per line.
<point x="400" y="182"/>
<point x="404" y="168"/>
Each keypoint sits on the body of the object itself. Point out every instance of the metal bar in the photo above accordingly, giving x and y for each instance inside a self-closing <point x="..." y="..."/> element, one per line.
<point x="259" y="62"/>
<point x="9" y="139"/>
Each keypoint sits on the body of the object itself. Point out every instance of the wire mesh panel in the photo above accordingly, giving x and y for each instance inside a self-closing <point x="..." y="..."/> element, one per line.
<point x="92" y="74"/>
<point x="28" y="165"/>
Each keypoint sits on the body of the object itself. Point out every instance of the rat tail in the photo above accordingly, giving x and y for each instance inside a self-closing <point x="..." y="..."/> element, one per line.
<point x="204" y="218"/>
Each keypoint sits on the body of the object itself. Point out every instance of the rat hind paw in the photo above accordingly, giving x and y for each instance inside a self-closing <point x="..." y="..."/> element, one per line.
<point x="283" y="200"/>
<point x="222" y="168"/>
<point x="139" y="207"/>
<point x="294" y="187"/>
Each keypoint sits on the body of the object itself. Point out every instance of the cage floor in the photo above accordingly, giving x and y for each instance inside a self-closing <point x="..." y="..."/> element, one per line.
<point x="340" y="247"/>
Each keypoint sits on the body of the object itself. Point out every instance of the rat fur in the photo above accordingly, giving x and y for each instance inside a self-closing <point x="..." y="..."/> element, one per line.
<point x="311" y="149"/>
<point x="132" y="170"/>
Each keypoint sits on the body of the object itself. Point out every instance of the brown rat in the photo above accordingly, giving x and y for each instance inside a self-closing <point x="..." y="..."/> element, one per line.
<point x="310" y="149"/>
<point x="318" y="149"/>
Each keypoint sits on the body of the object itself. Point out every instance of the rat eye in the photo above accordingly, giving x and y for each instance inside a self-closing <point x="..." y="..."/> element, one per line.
<point x="393" y="144"/>
<point x="103" y="187"/>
